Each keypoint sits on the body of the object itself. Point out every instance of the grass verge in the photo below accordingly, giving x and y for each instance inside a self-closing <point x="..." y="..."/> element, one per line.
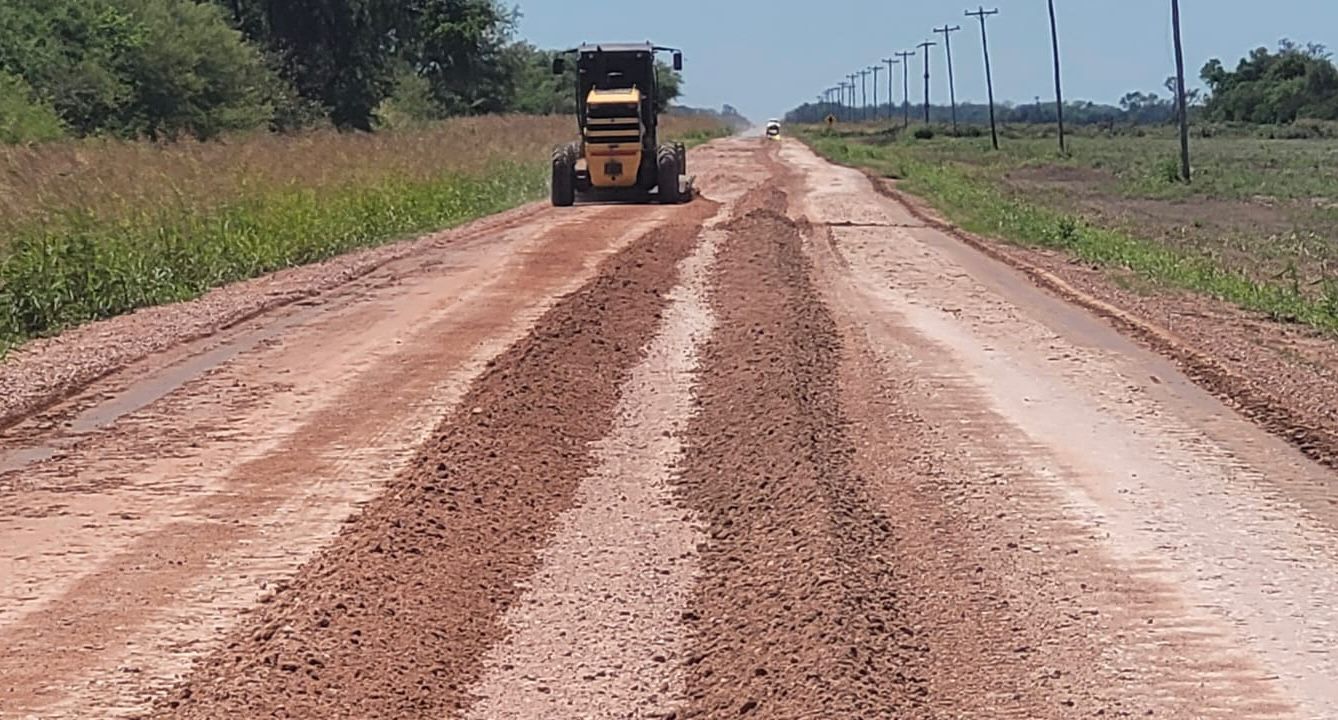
<point x="971" y="196"/>
<point x="95" y="229"/>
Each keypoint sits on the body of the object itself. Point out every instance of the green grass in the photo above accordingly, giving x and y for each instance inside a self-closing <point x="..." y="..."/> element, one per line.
<point x="701" y="136"/>
<point x="92" y="229"/>
<point x="962" y="178"/>
<point x="52" y="277"/>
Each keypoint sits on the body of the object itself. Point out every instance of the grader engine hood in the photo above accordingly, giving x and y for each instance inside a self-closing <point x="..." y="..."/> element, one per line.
<point x="613" y="137"/>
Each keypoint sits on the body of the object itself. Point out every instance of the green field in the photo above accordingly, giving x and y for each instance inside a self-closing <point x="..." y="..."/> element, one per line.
<point x="1256" y="227"/>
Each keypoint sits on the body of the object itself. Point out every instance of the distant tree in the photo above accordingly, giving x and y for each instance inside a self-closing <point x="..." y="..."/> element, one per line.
<point x="192" y="74"/>
<point x="350" y="56"/>
<point x="671" y="86"/>
<point x="459" y="46"/>
<point x="1193" y="96"/>
<point x="135" y="67"/>
<point x="1269" y="87"/>
<point x="1147" y="108"/>
<point x="338" y="53"/>
<point x="73" y="54"/>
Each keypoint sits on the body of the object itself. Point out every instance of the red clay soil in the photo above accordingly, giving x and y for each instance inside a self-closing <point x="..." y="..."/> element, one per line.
<point x="391" y="620"/>
<point x="1280" y="376"/>
<point x="794" y="616"/>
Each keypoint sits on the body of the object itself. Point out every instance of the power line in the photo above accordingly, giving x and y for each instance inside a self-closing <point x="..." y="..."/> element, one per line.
<point x="906" y="85"/>
<point x="925" y="47"/>
<point x="981" y="14"/>
<point x="947" y="32"/>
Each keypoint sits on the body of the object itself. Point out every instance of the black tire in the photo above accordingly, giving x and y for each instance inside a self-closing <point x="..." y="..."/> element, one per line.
<point x="564" y="176"/>
<point x="666" y="163"/>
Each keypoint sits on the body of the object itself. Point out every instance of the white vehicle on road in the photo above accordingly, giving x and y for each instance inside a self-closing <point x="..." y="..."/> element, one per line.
<point x="773" y="129"/>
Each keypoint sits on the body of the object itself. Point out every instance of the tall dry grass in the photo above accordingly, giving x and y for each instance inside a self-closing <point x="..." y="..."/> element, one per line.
<point x="113" y="179"/>
<point x="94" y="228"/>
<point x="116" y="179"/>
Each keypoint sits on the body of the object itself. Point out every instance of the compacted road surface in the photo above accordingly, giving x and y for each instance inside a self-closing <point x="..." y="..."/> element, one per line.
<point x="783" y="452"/>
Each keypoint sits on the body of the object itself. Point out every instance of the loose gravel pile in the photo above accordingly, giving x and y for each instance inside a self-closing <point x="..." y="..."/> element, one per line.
<point x="795" y="617"/>
<point x="391" y="620"/>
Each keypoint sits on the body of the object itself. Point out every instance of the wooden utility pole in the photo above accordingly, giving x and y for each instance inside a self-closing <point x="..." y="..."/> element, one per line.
<point x="1182" y="102"/>
<point x="891" y="102"/>
<point x="982" y="13"/>
<point x="1059" y="87"/>
<point x="864" y="94"/>
<point x="924" y="46"/>
<point x="854" y="99"/>
<point x="947" y="32"/>
<point x="906" y="86"/>
<point x="875" y="69"/>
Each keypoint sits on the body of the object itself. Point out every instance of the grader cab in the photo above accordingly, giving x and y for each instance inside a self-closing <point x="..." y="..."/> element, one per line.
<point x="619" y="155"/>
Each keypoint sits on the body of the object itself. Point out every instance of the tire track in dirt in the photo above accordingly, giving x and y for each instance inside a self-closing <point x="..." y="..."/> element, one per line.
<point x="1035" y="595"/>
<point x="392" y="619"/>
<point x="1314" y="435"/>
<point x="795" y="615"/>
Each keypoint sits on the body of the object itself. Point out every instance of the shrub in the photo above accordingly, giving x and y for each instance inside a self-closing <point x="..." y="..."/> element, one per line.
<point x="23" y="119"/>
<point x="924" y="133"/>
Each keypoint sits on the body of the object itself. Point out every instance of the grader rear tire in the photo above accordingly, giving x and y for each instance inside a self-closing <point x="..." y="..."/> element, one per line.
<point x="564" y="176"/>
<point x="666" y="162"/>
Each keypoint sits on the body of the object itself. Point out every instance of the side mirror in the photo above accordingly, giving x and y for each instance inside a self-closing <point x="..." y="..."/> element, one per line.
<point x="678" y="61"/>
<point x="559" y="65"/>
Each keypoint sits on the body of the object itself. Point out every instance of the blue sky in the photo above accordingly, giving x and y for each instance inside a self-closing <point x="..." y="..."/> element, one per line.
<point x="766" y="56"/>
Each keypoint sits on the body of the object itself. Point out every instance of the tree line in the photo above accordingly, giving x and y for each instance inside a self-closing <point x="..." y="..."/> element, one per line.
<point x="164" y="69"/>
<point x="1267" y="87"/>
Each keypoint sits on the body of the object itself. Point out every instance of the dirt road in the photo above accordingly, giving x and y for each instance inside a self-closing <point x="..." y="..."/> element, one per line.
<point x="784" y="452"/>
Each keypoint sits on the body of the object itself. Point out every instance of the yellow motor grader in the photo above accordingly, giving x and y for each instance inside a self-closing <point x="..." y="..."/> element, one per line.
<point x="619" y="155"/>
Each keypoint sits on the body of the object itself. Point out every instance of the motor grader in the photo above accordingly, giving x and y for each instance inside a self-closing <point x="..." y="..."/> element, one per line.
<point x="619" y="155"/>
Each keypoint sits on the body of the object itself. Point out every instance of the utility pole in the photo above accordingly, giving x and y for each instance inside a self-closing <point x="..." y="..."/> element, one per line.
<point x="890" y="95"/>
<point x="947" y="32"/>
<point x="1181" y="101"/>
<point x="875" y="69"/>
<point x="1059" y="88"/>
<point x="854" y="98"/>
<point x="845" y="97"/>
<point x="925" y="47"/>
<point x="906" y="86"/>
<point x="982" y="13"/>
<point x="864" y="93"/>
